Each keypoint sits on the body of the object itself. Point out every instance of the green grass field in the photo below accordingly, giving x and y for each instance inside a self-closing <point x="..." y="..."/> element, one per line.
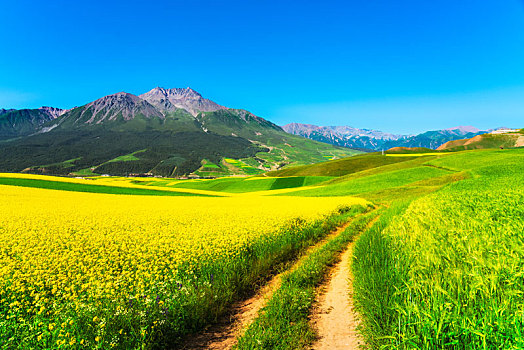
<point x="444" y="271"/>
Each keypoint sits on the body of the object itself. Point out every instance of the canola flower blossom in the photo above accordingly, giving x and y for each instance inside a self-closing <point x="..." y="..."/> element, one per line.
<point x="67" y="256"/>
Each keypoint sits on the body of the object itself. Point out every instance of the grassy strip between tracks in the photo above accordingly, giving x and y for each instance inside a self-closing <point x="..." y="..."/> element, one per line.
<point x="283" y="323"/>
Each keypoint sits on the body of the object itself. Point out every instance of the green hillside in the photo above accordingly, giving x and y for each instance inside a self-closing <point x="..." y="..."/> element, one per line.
<point x="443" y="270"/>
<point x="122" y="134"/>
<point x="23" y="122"/>
<point x="341" y="166"/>
<point x="162" y="153"/>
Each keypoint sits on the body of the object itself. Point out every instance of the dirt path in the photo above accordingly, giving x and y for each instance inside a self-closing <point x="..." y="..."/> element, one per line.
<point x="333" y="315"/>
<point x="224" y="334"/>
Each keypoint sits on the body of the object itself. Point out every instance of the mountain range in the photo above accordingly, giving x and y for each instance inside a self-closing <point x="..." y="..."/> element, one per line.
<point x="167" y="132"/>
<point x="177" y="132"/>
<point x="374" y="140"/>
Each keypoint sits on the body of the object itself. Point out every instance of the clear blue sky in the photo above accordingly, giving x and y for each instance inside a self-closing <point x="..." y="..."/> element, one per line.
<point x="398" y="66"/>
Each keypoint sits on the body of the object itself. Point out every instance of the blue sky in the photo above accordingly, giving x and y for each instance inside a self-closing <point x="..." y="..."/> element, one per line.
<point x="398" y="66"/>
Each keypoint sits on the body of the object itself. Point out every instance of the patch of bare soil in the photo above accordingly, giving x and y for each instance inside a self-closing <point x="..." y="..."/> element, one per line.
<point x="519" y="142"/>
<point x="224" y="334"/>
<point x="333" y="314"/>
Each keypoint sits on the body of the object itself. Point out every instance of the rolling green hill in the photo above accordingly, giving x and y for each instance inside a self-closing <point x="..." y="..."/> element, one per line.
<point x="341" y="166"/>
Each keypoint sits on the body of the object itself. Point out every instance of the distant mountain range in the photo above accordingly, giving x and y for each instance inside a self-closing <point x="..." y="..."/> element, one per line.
<point x="168" y="132"/>
<point x="374" y="140"/>
<point x="178" y="132"/>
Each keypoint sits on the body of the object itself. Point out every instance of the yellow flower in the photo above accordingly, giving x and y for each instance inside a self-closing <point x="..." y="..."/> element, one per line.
<point x="111" y="247"/>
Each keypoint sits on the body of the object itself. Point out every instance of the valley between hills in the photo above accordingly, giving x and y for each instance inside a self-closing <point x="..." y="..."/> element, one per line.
<point x="276" y="241"/>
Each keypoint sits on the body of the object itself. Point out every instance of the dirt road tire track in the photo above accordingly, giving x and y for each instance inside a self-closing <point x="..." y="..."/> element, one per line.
<point x="224" y="334"/>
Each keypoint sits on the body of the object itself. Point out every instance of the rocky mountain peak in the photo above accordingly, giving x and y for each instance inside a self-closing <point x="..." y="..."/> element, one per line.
<point x="52" y="111"/>
<point x="112" y="106"/>
<point x="178" y="92"/>
<point x="168" y="100"/>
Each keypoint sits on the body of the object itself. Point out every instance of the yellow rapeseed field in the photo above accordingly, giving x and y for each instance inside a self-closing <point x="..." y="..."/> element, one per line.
<point x="69" y="257"/>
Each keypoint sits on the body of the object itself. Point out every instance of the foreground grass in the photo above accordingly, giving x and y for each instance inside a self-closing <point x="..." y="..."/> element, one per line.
<point x="284" y="322"/>
<point x="446" y="270"/>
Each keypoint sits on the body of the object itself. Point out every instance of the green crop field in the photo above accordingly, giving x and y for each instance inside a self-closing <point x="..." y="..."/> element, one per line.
<point x="91" y="188"/>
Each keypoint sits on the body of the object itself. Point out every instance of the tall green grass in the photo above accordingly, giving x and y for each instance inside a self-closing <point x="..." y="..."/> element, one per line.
<point x="447" y="272"/>
<point x="377" y="277"/>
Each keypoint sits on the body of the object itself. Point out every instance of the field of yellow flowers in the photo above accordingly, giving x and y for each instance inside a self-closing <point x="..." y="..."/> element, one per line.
<point x="101" y="271"/>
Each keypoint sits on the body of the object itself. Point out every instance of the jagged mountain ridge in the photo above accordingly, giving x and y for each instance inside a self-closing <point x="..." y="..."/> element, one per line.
<point x="121" y="106"/>
<point x="187" y="107"/>
<point x="168" y="132"/>
<point x="169" y="100"/>
<point x="166" y="109"/>
<point x="338" y="131"/>
<point x="23" y="122"/>
<point x="375" y="140"/>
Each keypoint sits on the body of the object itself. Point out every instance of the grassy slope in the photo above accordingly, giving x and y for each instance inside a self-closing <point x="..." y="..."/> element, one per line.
<point x="340" y="167"/>
<point x="241" y="185"/>
<point x="368" y="175"/>
<point x="371" y="183"/>
<point x="444" y="271"/>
